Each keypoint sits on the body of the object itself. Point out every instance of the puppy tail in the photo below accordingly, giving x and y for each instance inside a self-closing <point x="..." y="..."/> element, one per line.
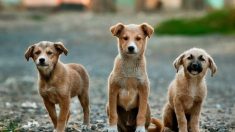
<point x="157" y="127"/>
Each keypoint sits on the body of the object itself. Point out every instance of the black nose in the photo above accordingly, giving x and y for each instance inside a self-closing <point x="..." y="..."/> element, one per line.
<point x="131" y="48"/>
<point x="41" y="60"/>
<point x="195" y="65"/>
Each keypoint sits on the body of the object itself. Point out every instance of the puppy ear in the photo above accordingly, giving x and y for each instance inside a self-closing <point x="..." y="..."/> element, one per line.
<point x="178" y="61"/>
<point x="116" y="30"/>
<point x="60" y="48"/>
<point x="147" y="29"/>
<point x="29" y="52"/>
<point x="212" y="66"/>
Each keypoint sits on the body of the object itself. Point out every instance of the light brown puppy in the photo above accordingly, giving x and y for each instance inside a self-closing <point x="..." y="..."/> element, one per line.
<point x="128" y="83"/>
<point x="188" y="90"/>
<point x="59" y="82"/>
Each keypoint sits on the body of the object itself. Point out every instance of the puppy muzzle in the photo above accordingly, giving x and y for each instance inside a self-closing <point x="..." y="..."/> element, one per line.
<point x="194" y="68"/>
<point x="132" y="48"/>
<point x="42" y="62"/>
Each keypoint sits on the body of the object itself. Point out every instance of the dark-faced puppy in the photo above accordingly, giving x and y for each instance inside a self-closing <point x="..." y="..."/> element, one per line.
<point x="128" y="83"/>
<point x="188" y="90"/>
<point x="59" y="82"/>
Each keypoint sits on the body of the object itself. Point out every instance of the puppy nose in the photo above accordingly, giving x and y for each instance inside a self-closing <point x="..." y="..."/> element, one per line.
<point x="41" y="60"/>
<point x="131" y="48"/>
<point x="195" y="65"/>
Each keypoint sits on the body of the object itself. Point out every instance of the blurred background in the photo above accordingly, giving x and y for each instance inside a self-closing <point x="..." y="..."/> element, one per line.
<point x="83" y="27"/>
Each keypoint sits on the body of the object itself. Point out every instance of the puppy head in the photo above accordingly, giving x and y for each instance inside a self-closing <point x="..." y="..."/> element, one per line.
<point x="132" y="37"/>
<point x="45" y="54"/>
<point x="195" y="62"/>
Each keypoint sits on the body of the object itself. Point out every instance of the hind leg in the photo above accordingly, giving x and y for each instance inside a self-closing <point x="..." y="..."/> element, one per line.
<point x="169" y="118"/>
<point x="84" y="100"/>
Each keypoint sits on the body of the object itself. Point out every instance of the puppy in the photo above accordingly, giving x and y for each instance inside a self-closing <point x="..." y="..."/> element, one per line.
<point x="59" y="82"/>
<point x="128" y="83"/>
<point x="188" y="90"/>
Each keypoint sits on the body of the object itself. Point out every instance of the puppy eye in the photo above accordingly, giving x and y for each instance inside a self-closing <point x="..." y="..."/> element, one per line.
<point x="37" y="52"/>
<point x="190" y="57"/>
<point x="201" y="58"/>
<point x="125" y="38"/>
<point x="138" y="38"/>
<point x="49" y="52"/>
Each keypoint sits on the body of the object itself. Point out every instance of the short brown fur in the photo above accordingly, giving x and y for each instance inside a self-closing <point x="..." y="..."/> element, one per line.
<point x="58" y="82"/>
<point x="187" y="91"/>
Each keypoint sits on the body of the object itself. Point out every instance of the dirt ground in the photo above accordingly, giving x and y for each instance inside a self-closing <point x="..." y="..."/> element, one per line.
<point x="90" y="43"/>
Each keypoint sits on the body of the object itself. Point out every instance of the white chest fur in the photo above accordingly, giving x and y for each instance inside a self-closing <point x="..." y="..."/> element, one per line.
<point x="128" y="93"/>
<point x="193" y="89"/>
<point x="194" y="95"/>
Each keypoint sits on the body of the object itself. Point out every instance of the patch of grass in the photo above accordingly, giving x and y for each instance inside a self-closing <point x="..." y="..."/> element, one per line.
<point x="11" y="126"/>
<point x="222" y="21"/>
<point x="37" y="17"/>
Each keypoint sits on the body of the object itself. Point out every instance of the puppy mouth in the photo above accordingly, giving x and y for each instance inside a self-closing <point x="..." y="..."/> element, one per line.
<point x="42" y="65"/>
<point x="131" y="53"/>
<point x="194" y="71"/>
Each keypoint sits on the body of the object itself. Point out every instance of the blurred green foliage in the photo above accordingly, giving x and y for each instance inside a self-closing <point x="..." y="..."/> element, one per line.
<point x="222" y="21"/>
<point x="37" y="17"/>
<point x="11" y="127"/>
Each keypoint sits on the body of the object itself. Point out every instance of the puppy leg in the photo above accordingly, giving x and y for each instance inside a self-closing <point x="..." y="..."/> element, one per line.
<point x="51" y="110"/>
<point x="112" y="108"/>
<point x="63" y="116"/>
<point x="84" y="100"/>
<point x="68" y="117"/>
<point x="180" y="115"/>
<point x="110" y="128"/>
<point x="169" y="118"/>
<point x="194" y="118"/>
<point x="143" y="102"/>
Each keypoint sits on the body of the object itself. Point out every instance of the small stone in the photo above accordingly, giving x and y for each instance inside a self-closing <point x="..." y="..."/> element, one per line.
<point x="105" y="130"/>
<point x="99" y="121"/>
<point x="100" y="125"/>
<point x="28" y="104"/>
<point x="93" y="127"/>
<point x="218" y="106"/>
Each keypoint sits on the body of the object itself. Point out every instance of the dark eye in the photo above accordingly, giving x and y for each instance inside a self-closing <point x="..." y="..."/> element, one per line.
<point x="138" y="38"/>
<point x="49" y="52"/>
<point x="201" y="58"/>
<point x="37" y="52"/>
<point x="125" y="38"/>
<point x="190" y="57"/>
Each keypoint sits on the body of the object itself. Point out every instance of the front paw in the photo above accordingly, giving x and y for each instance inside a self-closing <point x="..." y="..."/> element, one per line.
<point x="85" y="127"/>
<point x="140" y="129"/>
<point x="112" y="129"/>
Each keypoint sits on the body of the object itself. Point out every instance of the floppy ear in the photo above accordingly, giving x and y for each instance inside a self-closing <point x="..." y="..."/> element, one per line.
<point x="29" y="52"/>
<point x="60" y="48"/>
<point x="178" y="61"/>
<point x="147" y="29"/>
<point x="212" y="66"/>
<point x="116" y="30"/>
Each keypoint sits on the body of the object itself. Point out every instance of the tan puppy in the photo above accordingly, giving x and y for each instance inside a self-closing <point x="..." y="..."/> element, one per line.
<point x="59" y="82"/>
<point x="188" y="90"/>
<point x="128" y="83"/>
